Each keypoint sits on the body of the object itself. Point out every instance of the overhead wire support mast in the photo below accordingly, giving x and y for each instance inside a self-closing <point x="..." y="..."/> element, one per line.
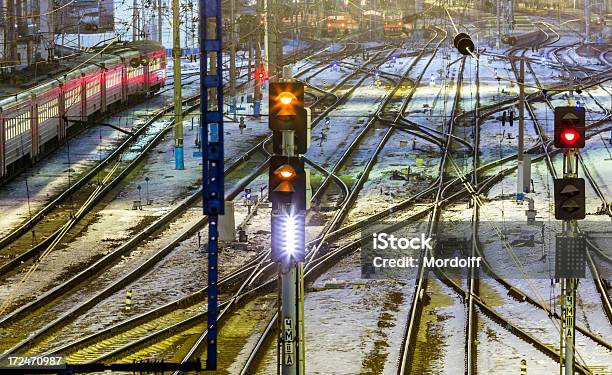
<point x="233" y="75"/>
<point x="179" y="162"/>
<point x="211" y="91"/>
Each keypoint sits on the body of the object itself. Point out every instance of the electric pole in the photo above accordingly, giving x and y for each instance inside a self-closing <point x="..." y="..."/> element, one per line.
<point x="587" y="21"/>
<point x="524" y="160"/>
<point x="498" y="23"/>
<point x="232" y="39"/>
<point x="257" y="95"/>
<point x="273" y="39"/>
<point x="179" y="163"/>
<point x="11" y="35"/>
<point x="160" y="24"/>
<point x="135" y="21"/>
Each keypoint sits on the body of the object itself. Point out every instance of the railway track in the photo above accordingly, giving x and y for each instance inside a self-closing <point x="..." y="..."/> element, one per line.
<point x="408" y="345"/>
<point x="57" y="221"/>
<point x="313" y="262"/>
<point x="88" y="204"/>
<point x="473" y="299"/>
<point x="49" y="327"/>
<point x="599" y="282"/>
<point x="253" y="280"/>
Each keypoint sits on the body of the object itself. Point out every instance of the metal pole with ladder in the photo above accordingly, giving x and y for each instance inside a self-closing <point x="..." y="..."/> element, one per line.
<point x="211" y="90"/>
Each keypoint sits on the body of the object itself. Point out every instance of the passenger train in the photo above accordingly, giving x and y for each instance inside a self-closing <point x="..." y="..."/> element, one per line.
<point x="393" y="24"/>
<point x="339" y="24"/>
<point x="35" y="121"/>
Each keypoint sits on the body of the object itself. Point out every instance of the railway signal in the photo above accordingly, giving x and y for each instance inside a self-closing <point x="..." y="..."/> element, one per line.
<point x="569" y="127"/>
<point x="464" y="44"/>
<point x="569" y="135"/>
<point x="570" y="260"/>
<point x="261" y="75"/>
<point x="288" y="236"/>
<point x="287" y="113"/>
<point x="287" y="181"/>
<point x="289" y="121"/>
<point x="569" y="199"/>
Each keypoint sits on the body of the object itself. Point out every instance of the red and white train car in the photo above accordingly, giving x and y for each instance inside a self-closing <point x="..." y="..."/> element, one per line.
<point x="35" y="121"/>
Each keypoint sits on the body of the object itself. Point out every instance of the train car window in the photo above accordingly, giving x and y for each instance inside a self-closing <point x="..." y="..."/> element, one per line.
<point x="134" y="72"/>
<point x="73" y="96"/>
<point x="156" y="64"/>
<point x="93" y="88"/>
<point x="48" y="110"/>
<point x="17" y="125"/>
<point x="113" y="79"/>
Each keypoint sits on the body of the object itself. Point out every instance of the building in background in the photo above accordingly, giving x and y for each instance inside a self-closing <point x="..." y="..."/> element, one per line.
<point x="36" y="23"/>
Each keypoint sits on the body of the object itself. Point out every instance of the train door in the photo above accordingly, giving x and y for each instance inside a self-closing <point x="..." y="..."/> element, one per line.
<point x="2" y="141"/>
<point x="61" y="124"/>
<point x="34" y="127"/>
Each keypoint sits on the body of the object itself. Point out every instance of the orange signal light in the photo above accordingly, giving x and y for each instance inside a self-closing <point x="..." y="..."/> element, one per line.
<point x="285" y="172"/>
<point x="286" y="100"/>
<point x="286" y="97"/>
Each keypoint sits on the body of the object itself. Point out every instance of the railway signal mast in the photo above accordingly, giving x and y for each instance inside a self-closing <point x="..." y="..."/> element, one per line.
<point x="211" y="118"/>
<point x="289" y="122"/>
<point x="569" y="135"/>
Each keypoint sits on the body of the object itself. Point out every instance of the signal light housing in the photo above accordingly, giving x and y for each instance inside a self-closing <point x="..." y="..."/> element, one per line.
<point x="569" y="127"/>
<point x="463" y="43"/>
<point x="287" y="112"/>
<point x="570" y="199"/>
<point x="287" y="182"/>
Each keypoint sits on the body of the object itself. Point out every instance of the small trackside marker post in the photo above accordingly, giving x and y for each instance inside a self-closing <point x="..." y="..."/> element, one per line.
<point x="128" y="300"/>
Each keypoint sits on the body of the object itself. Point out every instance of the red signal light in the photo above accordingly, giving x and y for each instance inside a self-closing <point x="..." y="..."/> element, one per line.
<point x="261" y="75"/>
<point x="570" y="136"/>
<point x="569" y="127"/>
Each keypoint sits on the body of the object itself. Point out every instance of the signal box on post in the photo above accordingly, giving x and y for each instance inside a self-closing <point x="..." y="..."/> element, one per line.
<point x="569" y="127"/>
<point x="570" y="199"/>
<point x="287" y="181"/>
<point x="287" y="112"/>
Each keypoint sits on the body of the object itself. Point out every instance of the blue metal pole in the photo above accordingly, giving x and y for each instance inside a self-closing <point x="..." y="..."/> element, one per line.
<point x="211" y="90"/>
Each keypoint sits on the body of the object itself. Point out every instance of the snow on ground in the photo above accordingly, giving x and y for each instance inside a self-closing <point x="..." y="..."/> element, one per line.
<point x="115" y="221"/>
<point x="501" y="353"/>
<point x="534" y="273"/>
<point x="51" y="176"/>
